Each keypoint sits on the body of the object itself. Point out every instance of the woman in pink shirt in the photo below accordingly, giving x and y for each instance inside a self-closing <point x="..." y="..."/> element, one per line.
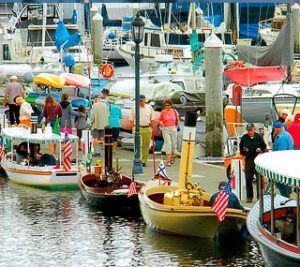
<point x="169" y="121"/>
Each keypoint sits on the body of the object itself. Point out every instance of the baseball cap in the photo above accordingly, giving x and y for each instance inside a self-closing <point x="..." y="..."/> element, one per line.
<point x="250" y="126"/>
<point x="105" y="91"/>
<point x="142" y="97"/>
<point x="277" y="125"/>
<point x="221" y="185"/>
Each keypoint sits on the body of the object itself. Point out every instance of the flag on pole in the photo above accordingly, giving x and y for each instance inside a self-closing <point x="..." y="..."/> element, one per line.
<point x="162" y="170"/>
<point x="56" y="129"/>
<point x="132" y="189"/>
<point x="89" y="158"/>
<point x="67" y="152"/>
<point x="221" y="202"/>
<point x="2" y="152"/>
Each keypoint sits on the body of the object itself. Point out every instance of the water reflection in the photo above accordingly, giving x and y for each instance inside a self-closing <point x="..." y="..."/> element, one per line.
<point x="41" y="228"/>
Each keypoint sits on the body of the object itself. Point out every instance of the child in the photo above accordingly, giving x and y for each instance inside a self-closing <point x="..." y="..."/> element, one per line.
<point x="81" y="123"/>
<point x="67" y="114"/>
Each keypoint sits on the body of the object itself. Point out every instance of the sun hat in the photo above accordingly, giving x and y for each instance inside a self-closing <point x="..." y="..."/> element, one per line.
<point x="285" y="111"/>
<point x="13" y="77"/>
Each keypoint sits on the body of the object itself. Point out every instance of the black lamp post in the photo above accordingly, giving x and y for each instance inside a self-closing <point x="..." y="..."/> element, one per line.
<point x="137" y="35"/>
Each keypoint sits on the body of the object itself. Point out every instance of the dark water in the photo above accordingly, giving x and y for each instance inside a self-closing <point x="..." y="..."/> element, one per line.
<point x="41" y="228"/>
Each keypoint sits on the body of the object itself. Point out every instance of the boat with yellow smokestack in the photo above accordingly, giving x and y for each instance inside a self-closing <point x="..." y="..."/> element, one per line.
<point x="183" y="209"/>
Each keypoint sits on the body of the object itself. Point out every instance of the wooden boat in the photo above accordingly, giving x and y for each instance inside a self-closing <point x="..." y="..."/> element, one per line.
<point x="49" y="79"/>
<point x="109" y="190"/>
<point x="52" y="176"/>
<point x="76" y="80"/>
<point x="183" y="209"/>
<point x="274" y="221"/>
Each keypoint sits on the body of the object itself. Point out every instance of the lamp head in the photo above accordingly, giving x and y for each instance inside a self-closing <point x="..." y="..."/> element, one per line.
<point x="138" y="29"/>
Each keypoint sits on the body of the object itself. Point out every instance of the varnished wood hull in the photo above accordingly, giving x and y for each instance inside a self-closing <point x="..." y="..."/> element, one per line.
<point x="108" y="198"/>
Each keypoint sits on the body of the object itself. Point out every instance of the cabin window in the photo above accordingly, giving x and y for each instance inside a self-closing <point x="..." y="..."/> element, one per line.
<point x="155" y="40"/>
<point x="146" y="39"/>
<point x="6" y="52"/>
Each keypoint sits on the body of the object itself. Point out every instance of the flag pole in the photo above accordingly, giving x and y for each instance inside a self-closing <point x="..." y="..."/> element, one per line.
<point x="153" y="154"/>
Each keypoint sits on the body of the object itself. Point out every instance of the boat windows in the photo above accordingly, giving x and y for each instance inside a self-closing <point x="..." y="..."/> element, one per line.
<point x="6" y="52"/>
<point x="155" y="40"/>
<point x="146" y="39"/>
<point x="177" y="39"/>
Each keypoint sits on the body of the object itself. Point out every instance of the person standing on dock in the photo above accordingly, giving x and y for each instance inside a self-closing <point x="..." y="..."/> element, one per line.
<point x="99" y="120"/>
<point x="250" y="146"/>
<point x="283" y="141"/>
<point x="12" y="90"/>
<point x="146" y="121"/>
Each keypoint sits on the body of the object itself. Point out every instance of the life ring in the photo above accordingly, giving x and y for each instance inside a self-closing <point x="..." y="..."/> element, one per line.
<point x="107" y="71"/>
<point x="236" y="64"/>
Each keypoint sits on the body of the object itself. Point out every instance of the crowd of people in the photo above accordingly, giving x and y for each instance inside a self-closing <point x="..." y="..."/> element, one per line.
<point x="285" y="136"/>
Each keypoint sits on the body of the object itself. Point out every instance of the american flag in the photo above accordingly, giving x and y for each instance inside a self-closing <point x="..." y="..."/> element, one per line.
<point x="2" y="152"/>
<point x="162" y="170"/>
<point x="221" y="202"/>
<point x="67" y="152"/>
<point x="132" y="189"/>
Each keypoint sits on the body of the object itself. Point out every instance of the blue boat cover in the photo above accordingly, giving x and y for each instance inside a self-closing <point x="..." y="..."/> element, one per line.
<point x="63" y="39"/>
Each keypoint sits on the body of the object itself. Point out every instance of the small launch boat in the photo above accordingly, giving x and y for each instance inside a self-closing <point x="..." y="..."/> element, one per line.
<point x="109" y="190"/>
<point x="183" y="209"/>
<point x="274" y="222"/>
<point x="44" y="174"/>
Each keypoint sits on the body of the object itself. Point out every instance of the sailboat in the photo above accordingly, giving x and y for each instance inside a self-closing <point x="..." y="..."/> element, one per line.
<point x="183" y="209"/>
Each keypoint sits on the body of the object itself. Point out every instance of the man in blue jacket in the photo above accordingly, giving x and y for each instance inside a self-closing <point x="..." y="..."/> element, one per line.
<point x="282" y="141"/>
<point x="233" y="202"/>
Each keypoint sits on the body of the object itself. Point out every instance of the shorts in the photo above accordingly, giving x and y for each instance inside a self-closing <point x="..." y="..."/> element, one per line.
<point x="79" y="133"/>
<point x="96" y="133"/>
<point x="115" y="134"/>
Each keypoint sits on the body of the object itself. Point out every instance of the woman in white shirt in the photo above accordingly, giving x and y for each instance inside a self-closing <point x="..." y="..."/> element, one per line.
<point x="25" y="110"/>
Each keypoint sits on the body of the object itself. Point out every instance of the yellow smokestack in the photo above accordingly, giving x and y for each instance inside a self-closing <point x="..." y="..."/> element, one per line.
<point x="187" y="150"/>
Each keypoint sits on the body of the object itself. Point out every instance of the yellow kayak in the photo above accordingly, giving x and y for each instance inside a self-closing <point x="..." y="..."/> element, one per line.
<point x="49" y="79"/>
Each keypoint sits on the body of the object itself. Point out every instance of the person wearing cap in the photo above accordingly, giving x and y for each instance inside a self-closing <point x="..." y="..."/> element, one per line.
<point x="115" y="116"/>
<point x="283" y="115"/>
<point x="25" y="110"/>
<point x="146" y="121"/>
<point x="283" y="141"/>
<point x="99" y="120"/>
<point x="250" y="146"/>
<point x="294" y="130"/>
<point x="104" y="96"/>
<point x="11" y="91"/>
<point x="233" y="201"/>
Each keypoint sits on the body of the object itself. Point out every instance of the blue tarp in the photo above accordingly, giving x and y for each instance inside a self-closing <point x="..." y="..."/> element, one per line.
<point x="63" y="39"/>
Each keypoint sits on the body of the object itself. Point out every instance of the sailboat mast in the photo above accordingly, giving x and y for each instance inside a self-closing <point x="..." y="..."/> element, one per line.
<point x="193" y="18"/>
<point x="44" y="26"/>
<point x="289" y="68"/>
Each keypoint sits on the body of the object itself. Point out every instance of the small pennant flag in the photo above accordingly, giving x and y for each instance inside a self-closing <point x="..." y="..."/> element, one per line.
<point x="132" y="189"/>
<point x="56" y="129"/>
<point x="162" y="170"/>
<point x="67" y="152"/>
<point x="2" y="152"/>
<point x="221" y="202"/>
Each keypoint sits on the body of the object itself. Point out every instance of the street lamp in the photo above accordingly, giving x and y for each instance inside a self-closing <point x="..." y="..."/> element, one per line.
<point x="137" y="36"/>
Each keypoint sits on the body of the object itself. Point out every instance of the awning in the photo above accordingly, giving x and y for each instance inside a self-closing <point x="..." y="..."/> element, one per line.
<point x="280" y="166"/>
<point x="252" y="76"/>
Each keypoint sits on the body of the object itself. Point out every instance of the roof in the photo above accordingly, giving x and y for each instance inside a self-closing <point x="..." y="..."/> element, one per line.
<point x="23" y="135"/>
<point x="280" y="166"/>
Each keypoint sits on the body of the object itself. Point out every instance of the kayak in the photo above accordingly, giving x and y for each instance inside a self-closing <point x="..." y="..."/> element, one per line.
<point x="77" y="80"/>
<point x="49" y="79"/>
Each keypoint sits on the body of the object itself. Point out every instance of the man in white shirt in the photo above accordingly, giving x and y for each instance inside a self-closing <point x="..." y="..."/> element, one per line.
<point x="146" y="121"/>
